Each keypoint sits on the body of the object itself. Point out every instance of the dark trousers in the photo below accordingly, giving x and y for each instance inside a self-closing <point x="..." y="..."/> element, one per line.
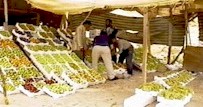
<point x="80" y="54"/>
<point x="128" y="55"/>
<point x="114" y="58"/>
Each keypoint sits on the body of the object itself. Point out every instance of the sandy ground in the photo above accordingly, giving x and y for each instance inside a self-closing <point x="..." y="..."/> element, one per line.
<point x="110" y="94"/>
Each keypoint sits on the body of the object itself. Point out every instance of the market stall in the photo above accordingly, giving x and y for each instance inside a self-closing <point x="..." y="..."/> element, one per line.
<point x="55" y="60"/>
<point x="20" y="73"/>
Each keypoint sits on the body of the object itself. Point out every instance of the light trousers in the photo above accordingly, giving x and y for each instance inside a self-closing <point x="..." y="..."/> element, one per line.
<point x="104" y="52"/>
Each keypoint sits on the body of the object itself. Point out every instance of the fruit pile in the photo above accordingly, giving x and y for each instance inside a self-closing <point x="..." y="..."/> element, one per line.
<point x="178" y="93"/>
<point x="152" y="63"/>
<point x="12" y="56"/>
<point x="25" y="27"/>
<point x="151" y="87"/>
<point x="179" y="79"/>
<point x="96" y="75"/>
<point x="58" y="63"/>
<point x="44" y="28"/>
<point x="30" y="87"/>
<point x="87" y="77"/>
<point x="46" y="35"/>
<point x="76" y="78"/>
<point x="5" y="35"/>
<point x="59" y="88"/>
<point x="51" y="58"/>
<point x="45" y="48"/>
<point x="15" y="65"/>
<point x="37" y="86"/>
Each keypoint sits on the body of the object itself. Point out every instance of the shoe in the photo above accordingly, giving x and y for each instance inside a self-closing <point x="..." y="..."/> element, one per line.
<point x="115" y="78"/>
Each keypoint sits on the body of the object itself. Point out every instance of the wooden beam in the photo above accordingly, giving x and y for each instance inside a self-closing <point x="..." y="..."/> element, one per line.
<point x="198" y="2"/>
<point x="170" y="37"/>
<point x="191" y="10"/>
<point x="186" y="24"/>
<point x="145" y="43"/>
<point x="15" y="10"/>
<point x="38" y="19"/>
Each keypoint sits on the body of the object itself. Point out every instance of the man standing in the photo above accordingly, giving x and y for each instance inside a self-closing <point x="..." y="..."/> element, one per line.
<point x="79" y="41"/>
<point x="109" y="26"/>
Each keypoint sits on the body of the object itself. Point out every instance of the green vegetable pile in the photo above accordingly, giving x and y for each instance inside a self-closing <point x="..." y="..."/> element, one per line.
<point x="59" y="88"/>
<point x="152" y="62"/>
<point x="178" y="93"/>
<point x="151" y="87"/>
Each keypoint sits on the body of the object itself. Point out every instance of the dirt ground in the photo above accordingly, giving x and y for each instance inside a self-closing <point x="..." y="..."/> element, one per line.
<point x="109" y="94"/>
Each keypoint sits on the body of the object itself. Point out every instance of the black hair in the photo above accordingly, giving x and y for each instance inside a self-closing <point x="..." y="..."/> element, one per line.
<point x="110" y="21"/>
<point x="87" y="22"/>
<point x="103" y="32"/>
<point x="68" y="23"/>
<point x="113" y="34"/>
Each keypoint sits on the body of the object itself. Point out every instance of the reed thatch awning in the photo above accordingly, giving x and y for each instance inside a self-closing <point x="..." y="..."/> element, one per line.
<point x="80" y="6"/>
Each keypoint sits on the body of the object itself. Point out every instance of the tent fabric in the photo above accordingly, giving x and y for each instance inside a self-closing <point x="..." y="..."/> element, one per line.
<point x="80" y="6"/>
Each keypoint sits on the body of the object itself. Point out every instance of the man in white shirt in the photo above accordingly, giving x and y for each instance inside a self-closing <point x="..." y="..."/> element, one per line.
<point x="79" y="41"/>
<point x="126" y="52"/>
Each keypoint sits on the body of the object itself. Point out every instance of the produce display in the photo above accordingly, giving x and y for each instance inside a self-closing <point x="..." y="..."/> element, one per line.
<point x="11" y="56"/>
<point x="87" y="77"/>
<point x="96" y="75"/>
<point x="30" y="87"/>
<point x="151" y="87"/>
<point x="50" y="38"/>
<point x="101" y="68"/>
<point x="175" y="79"/>
<point x="59" y="88"/>
<point x="152" y="63"/>
<point x="30" y="34"/>
<point x="46" y="34"/>
<point x="176" y="93"/>
<point x="31" y="72"/>
<point x="5" y="35"/>
<point x="53" y="60"/>
<point x="25" y="27"/>
<point x="44" y="28"/>
<point x="16" y="66"/>
<point x="173" y="82"/>
<point x="76" y="78"/>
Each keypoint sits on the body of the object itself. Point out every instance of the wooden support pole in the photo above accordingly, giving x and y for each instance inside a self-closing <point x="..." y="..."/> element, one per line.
<point x="186" y="25"/>
<point x="145" y="44"/>
<point x="6" y="14"/>
<point x="63" y="22"/>
<point x="148" y="40"/>
<point x="170" y="37"/>
<point x="38" y="19"/>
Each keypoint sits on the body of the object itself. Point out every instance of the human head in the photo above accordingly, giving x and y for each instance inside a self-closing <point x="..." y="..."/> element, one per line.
<point x="103" y="32"/>
<point x="108" y="23"/>
<point x="87" y="24"/>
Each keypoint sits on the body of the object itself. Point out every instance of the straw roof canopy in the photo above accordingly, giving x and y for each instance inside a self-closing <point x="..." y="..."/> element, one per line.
<point x="80" y="6"/>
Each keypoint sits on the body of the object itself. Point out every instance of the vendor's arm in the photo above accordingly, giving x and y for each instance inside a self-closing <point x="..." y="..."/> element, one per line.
<point x="79" y="34"/>
<point x="120" y="47"/>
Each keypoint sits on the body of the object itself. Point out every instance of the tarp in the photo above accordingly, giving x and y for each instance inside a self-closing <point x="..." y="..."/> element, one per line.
<point x="79" y="6"/>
